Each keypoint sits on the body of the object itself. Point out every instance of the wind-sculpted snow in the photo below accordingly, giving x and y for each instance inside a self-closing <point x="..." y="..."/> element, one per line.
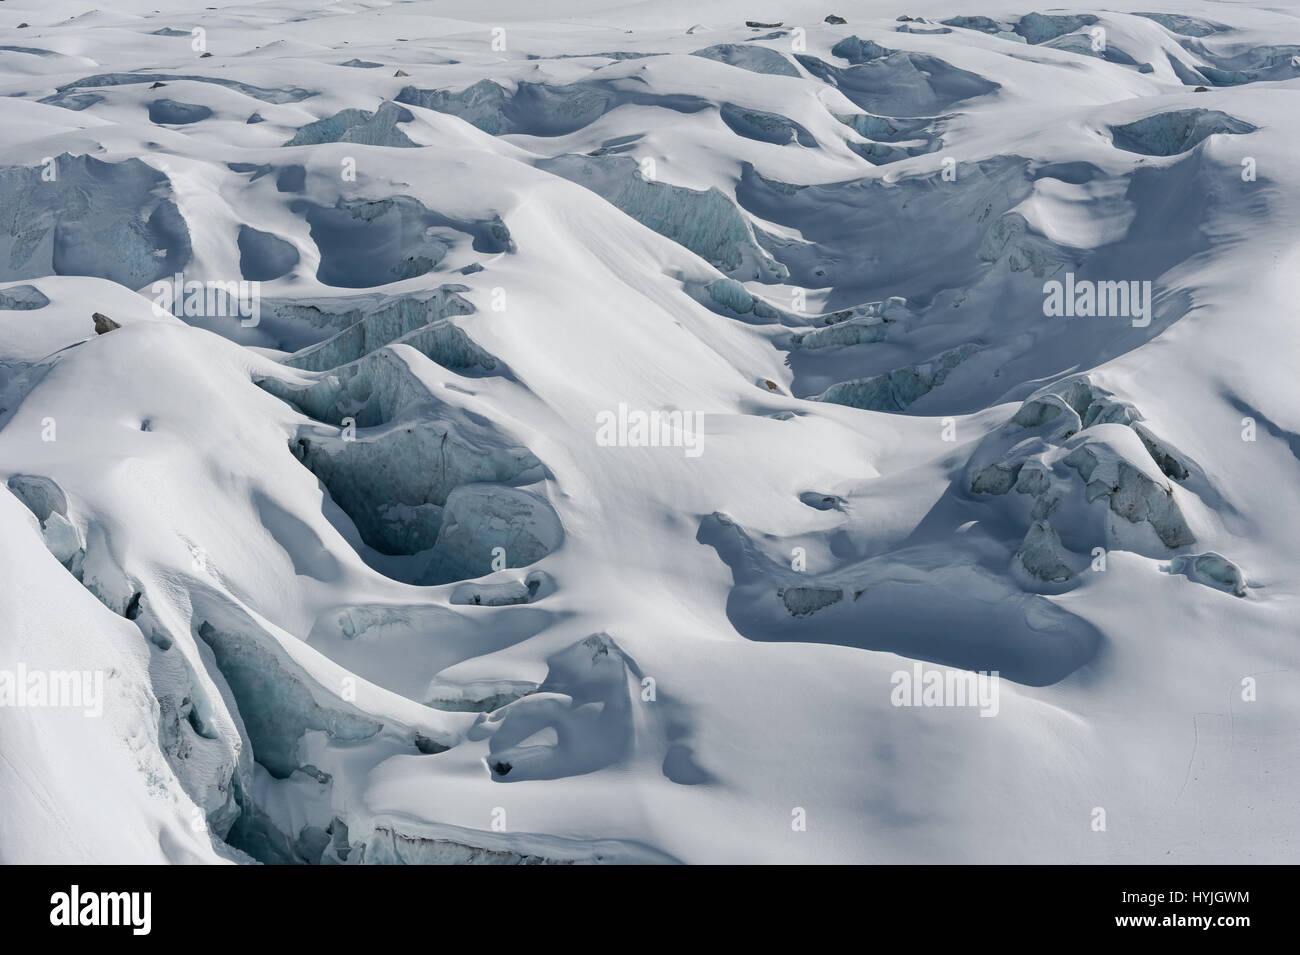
<point x="620" y="403"/>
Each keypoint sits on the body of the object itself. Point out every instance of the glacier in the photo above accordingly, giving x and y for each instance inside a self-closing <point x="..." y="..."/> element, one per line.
<point x="366" y="583"/>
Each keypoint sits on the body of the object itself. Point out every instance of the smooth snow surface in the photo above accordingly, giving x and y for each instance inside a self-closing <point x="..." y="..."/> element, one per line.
<point x="592" y="411"/>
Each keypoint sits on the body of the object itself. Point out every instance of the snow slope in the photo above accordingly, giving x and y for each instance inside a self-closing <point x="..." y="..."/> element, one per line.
<point x="367" y="579"/>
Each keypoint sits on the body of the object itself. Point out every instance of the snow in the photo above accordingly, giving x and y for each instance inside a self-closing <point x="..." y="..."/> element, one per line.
<point x="364" y="586"/>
